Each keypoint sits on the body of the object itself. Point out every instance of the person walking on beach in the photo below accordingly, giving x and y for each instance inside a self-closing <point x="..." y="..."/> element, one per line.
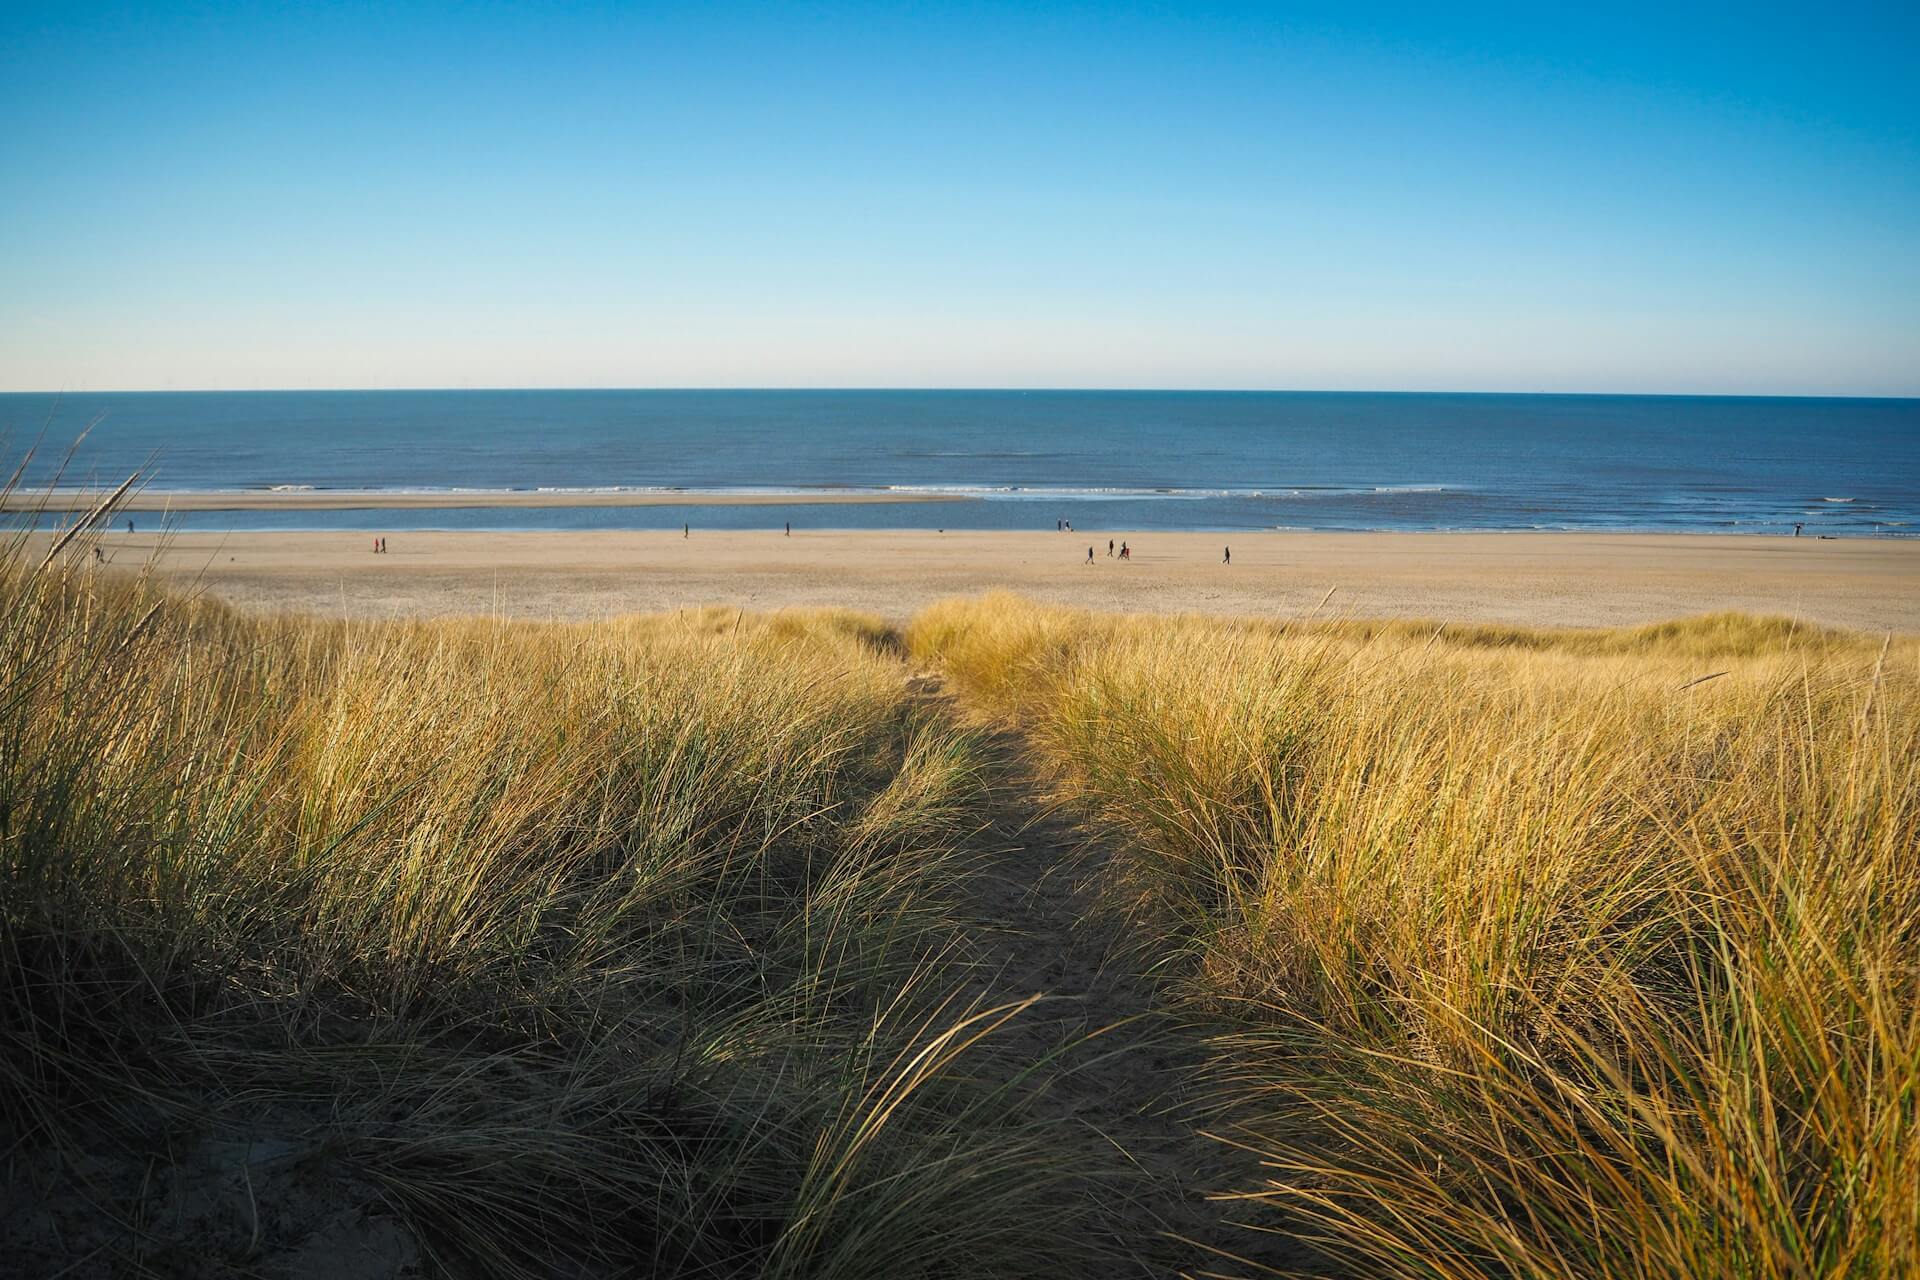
<point x="1227" y="555"/>
<point x="789" y="528"/>
<point x="1089" y="555"/>
<point x="1124" y="554"/>
<point x="1796" y="528"/>
<point x="686" y="530"/>
<point x="1109" y="546"/>
<point x="129" y="526"/>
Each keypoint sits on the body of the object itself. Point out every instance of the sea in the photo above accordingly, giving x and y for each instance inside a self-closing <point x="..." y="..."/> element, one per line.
<point x="1015" y="459"/>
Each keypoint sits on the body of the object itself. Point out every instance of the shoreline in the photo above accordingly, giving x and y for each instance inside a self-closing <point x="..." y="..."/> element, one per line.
<point x="1515" y="578"/>
<point x="152" y="500"/>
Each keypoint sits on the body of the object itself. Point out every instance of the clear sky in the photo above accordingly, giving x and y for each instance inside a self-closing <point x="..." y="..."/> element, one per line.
<point x="1541" y="197"/>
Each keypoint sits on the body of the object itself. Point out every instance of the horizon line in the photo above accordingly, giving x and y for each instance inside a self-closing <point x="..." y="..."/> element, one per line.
<point x="1011" y="390"/>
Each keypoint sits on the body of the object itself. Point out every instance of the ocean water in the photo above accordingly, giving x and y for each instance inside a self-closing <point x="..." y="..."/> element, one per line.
<point x="1022" y="460"/>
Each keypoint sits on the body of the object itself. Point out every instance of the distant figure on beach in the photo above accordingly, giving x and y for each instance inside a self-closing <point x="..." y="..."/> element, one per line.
<point x="99" y="557"/>
<point x="1124" y="553"/>
<point x="1797" y="525"/>
<point x="686" y="530"/>
<point x="1089" y="555"/>
<point x="1226" y="556"/>
<point x="376" y="546"/>
<point x="789" y="528"/>
<point x="1109" y="546"/>
<point x="129" y="526"/>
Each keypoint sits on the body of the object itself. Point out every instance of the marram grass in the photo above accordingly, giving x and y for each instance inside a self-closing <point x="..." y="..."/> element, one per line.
<point x="1541" y="954"/>
<point x="631" y="947"/>
<point x="621" y="948"/>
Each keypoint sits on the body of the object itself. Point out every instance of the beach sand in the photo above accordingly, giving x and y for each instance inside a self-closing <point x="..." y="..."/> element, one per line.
<point x="1526" y="578"/>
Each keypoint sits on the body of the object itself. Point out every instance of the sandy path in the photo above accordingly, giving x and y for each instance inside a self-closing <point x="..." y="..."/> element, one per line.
<point x="1126" y="1067"/>
<point x="1550" y="578"/>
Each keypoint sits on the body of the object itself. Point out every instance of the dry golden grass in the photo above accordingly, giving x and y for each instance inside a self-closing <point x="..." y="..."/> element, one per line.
<point x="616" y="948"/>
<point x="628" y="947"/>
<point x="1541" y="954"/>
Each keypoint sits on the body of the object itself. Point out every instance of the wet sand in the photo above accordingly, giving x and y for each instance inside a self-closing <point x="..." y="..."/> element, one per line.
<point x="1545" y="579"/>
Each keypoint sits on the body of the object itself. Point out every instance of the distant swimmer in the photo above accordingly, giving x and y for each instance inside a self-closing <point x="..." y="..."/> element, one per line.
<point x="1226" y="556"/>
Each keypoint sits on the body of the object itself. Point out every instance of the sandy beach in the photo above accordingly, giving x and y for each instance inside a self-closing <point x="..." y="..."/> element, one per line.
<point x="1547" y="579"/>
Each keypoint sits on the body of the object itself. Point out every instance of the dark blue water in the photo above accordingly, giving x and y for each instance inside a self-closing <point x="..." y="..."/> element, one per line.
<point x="1146" y="460"/>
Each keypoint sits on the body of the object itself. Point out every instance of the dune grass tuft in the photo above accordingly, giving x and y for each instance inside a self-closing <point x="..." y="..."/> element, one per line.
<point x="622" y="948"/>
<point x="1542" y="954"/>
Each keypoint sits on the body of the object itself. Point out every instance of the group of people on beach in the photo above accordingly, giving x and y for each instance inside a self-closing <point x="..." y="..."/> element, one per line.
<point x="1120" y="551"/>
<point x="1126" y="553"/>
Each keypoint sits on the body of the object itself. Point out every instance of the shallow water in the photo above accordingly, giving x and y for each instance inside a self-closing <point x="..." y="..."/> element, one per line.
<point x="1150" y="460"/>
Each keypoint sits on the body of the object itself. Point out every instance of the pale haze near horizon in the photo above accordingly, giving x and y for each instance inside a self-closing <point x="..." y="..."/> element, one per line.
<point x="979" y="197"/>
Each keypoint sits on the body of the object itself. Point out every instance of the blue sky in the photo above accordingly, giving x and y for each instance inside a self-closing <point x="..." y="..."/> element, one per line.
<point x="1427" y="197"/>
